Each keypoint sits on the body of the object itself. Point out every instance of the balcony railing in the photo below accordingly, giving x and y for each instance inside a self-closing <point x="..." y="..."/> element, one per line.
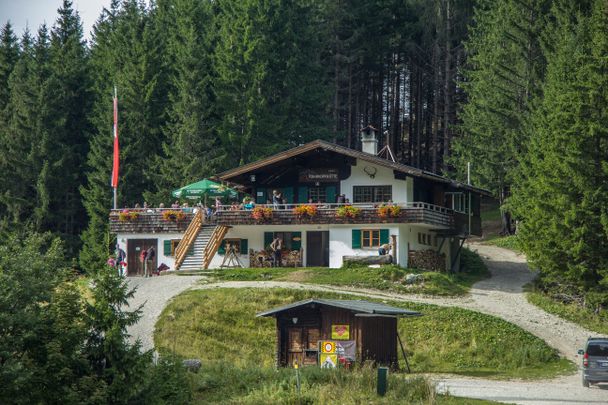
<point x="156" y="220"/>
<point x="284" y="214"/>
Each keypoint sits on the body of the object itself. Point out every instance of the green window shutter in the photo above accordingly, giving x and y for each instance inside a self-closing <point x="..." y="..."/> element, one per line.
<point x="296" y="244"/>
<point x="383" y="236"/>
<point x="167" y="247"/>
<point x="303" y="194"/>
<point x="330" y="191"/>
<point x="288" y="194"/>
<point x="244" y="246"/>
<point x="222" y="249"/>
<point x="268" y="237"/>
<point x="356" y="244"/>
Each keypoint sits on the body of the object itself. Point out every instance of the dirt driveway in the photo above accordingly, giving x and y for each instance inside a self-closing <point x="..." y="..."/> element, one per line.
<point x="501" y="295"/>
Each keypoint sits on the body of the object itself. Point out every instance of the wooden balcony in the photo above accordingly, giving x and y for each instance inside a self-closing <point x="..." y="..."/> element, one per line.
<point x="147" y="221"/>
<point x="413" y="213"/>
<point x="155" y="220"/>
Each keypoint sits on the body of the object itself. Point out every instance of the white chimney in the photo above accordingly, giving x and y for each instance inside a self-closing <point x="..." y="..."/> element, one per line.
<point x="369" y="141"/>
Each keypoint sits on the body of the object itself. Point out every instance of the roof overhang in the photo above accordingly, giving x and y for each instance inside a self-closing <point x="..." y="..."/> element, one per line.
<point x="359" y="307"/>
<point x="228" y="175"/>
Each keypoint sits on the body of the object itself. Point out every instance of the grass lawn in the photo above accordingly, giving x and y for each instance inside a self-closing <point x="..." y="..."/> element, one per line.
<point x="388" y="278"/>
<point x="572" y="312"/>
<point x="508" y="242"/>
<point x="219" y="326"/>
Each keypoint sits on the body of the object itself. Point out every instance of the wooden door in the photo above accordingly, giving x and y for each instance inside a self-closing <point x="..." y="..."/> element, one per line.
<point x="317" y="248"/>
<point x="302" y="345"/>
<point x="134" y="248"/>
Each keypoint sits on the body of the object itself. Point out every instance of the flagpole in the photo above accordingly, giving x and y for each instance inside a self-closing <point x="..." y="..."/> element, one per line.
<point x="115" y="155"/>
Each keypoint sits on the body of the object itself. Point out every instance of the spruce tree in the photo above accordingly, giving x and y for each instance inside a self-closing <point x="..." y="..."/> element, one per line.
<point x="190" y="147"/>
<point x="9" y="53"/>
<point x="67" y="95"/>
<point x="126" y="54"/>
<point x="505" y="70"/>
<point x="561" y="194"/>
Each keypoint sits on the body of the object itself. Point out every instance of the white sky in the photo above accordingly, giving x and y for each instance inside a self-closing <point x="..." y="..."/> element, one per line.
<point x="32" y="13"/>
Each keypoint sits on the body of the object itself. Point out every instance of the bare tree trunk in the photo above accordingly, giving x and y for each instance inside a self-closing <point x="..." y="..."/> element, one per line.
<point x="419" y="120"/>
<point x="350" y="105"/>
<point x="447" y="105"/>
<point x="436" y="95"/>
<point x="336" y="88"/>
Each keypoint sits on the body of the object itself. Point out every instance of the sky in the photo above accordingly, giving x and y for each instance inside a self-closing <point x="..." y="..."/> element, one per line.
<point x="32" y="13"/>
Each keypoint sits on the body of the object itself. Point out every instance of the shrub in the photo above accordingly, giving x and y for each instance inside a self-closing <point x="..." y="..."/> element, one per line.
<point x="173" y="215"/>
<point x="348" y="211"/>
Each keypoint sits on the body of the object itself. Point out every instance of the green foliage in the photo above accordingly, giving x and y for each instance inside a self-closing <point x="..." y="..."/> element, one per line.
<point x="561" y="194"/>
<point x="387" y="278"/>
<point x="508" y="242"/>
<point x="571" y="311"/>
<point x="220" y="326"/>
<point x="41" y="325"/>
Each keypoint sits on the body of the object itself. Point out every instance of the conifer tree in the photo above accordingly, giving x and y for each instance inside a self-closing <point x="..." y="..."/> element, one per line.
<point x="505" y="70"/>
<point x="9" y="53"/>
<point x="190" y="146"/>
<point x="67" y="96"/>
<point x="561" y="195"/>
<point x="125" y="54"/>
<point x="268" y="85"/>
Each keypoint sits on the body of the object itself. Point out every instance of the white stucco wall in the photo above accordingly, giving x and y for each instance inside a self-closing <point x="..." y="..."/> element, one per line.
<point x="123" y="240"/>
<point x="402" y="189"/>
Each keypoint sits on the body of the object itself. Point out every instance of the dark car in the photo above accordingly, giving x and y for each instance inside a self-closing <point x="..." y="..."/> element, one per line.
<point x="595" y="361"/>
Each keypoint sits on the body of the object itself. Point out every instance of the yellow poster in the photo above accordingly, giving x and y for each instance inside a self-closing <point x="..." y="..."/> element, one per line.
<point x="328" y="360"/>
<point x="340" y="332"/>
<point x="328" y="347"/>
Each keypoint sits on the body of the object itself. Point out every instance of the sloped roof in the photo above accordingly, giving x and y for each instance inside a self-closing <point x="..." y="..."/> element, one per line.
<point x="356" y="306"/>
<point x="368" y="157"/>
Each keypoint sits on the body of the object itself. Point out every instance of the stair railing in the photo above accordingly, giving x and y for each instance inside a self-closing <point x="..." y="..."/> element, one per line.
<point x="189" y="237"/>
<point x="213" y="244"/>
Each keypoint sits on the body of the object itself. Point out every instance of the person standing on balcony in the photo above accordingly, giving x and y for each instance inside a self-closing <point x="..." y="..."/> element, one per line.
<point x="277" y="199"/>
<point x="276" y="246"/>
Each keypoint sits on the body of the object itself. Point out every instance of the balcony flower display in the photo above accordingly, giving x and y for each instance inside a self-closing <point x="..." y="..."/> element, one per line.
<point x="173" y="215"/>
<point x="261" y="214"/>
<point x="307" y="210"/>
<point x="127" y="215"/>
<point x="386" y="211"/>
<point x="348" y="211"/>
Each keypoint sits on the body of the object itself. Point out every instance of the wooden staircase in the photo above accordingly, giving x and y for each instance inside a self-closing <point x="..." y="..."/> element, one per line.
<point x="189" y="237"/>
<point x="213" y="244"/>
<point x="199" y="244"/>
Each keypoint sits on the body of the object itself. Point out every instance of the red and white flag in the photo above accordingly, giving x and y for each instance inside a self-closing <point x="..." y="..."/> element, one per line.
<point x="116" y="161"/>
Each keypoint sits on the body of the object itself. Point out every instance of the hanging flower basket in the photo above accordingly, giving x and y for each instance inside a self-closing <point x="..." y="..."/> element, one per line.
<point x="348" y="211"/>
<point x="386" y="211"/>
<point x="305" y="211"/>
<point x="261" y="214"/>
<point x="173" y="215"/>
<point x="126" y="215"/>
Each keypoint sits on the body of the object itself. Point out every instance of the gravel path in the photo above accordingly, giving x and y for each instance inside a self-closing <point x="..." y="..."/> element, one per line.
<point x="501" y="296"/>
<point x="154" y="293"/>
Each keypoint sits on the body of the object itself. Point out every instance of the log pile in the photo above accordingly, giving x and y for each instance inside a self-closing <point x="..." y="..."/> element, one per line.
<point x="430" y="260"/>
<point x="367" y="260"/>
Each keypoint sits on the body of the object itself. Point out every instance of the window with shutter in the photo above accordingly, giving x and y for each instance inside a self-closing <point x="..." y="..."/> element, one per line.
<point x="356" y="242"/>
<point x="384" y="236"/>
<point x="167" y="247"/>
<point x="244" y="246"/>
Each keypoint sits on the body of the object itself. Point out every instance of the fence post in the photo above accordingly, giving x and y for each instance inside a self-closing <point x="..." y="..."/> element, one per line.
<point x="382" y="381"/>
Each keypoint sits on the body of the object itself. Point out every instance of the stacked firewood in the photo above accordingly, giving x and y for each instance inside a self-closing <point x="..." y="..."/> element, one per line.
<point x="430" y="260"/>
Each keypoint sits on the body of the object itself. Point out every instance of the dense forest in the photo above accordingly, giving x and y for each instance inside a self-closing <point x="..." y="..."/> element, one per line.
<point x="517" y="87"/>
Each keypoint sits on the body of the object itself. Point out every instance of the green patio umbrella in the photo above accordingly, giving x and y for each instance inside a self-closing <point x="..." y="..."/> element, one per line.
<point x="204" y="188"/>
